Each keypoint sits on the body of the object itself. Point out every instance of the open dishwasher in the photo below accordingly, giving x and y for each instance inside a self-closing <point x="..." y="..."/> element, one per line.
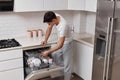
<point x="38" y="67"/>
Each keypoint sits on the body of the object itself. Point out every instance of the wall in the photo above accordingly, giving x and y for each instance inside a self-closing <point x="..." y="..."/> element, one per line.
<point x="84" y="22"/>
<point x="79" y="21"/>
<point x="90" y="22"/>
<point x="15" y="24"/>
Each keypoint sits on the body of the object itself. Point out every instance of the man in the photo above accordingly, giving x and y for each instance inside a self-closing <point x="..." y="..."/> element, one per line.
<point x="64" y="41"/>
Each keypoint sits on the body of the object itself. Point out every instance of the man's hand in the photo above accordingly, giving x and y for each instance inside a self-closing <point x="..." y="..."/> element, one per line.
<point x="43" y="43"/>
<point x="45" y="53"/>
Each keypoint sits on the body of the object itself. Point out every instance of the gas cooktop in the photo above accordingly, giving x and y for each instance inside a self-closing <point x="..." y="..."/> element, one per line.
<point x="8" y="43"/>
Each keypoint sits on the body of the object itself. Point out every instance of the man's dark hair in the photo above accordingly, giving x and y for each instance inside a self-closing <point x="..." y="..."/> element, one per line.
<point x="49" y="16"/>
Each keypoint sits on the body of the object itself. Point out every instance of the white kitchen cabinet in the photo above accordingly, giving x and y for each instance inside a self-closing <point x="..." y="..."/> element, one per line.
<point x="76" y="4"/>
<point x="83" y="58"/>
<point x="28" y="5"/>
<point x="42" y="5"/>
<point x="85" y="5"/>
<point x="48" y="4"/>
<point x="10" y="54"/>
<point x="91" y="5"/>
<point x="55" y="4"/>
<point x="11" y="65"/>
<point x="64" y="4"/>
<point x="61" y="4"/>
<point x="39" y="5"/>
<point x="15" y="74"/>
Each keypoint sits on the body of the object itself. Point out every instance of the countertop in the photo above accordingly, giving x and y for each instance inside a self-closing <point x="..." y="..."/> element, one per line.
<point x="85" y="38"/>
<point x="27" y="42"/>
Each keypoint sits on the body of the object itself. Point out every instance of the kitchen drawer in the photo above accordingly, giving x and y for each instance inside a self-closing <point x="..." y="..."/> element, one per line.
<point x="11" y="64"/>
<point x="15" y="74"/>
<point x="11" y="54"/>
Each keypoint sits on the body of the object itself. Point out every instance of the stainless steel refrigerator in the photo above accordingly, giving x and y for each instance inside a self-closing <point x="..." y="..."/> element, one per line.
<point x="106" y="62"/>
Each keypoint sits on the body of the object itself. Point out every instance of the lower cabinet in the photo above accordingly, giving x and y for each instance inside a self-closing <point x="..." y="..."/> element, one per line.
<point x="15" y="74"/>
<point x="83" y="59"/>
<point x="11" y="65"/>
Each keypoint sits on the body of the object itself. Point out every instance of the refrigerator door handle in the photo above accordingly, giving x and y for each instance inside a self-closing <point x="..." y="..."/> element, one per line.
<point x="106" y="48"/>
<point x="111" y="28"/>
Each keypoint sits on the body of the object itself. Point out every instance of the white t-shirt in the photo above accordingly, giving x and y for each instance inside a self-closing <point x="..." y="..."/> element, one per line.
<point x="63" y="30"/>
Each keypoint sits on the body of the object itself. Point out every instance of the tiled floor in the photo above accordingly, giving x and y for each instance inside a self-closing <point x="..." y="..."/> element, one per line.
<point x="75" y="77"/>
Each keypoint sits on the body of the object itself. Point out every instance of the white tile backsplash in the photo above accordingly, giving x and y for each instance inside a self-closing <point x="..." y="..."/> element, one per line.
<point x="15" y="24"/>
<point x="90" y="22"/>
<point x="79" y="21"/>
<point x="76" y="21"/>
<point x="84" y="22"/>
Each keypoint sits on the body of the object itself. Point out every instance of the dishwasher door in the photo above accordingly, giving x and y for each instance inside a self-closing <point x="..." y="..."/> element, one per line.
<point x="43" y="73"/>
<point x="45" y="69"/>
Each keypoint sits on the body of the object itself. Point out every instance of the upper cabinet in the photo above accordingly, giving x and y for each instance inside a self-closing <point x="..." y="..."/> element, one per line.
<point x="91" y="5"/>
<point x="49" y="5"/>
<point x="55" y="4"/>
<point x="28" y="5"/>
<point x="76" y="4"/>
<point x="85" y="5"/>
<point x="42" y="5"/>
